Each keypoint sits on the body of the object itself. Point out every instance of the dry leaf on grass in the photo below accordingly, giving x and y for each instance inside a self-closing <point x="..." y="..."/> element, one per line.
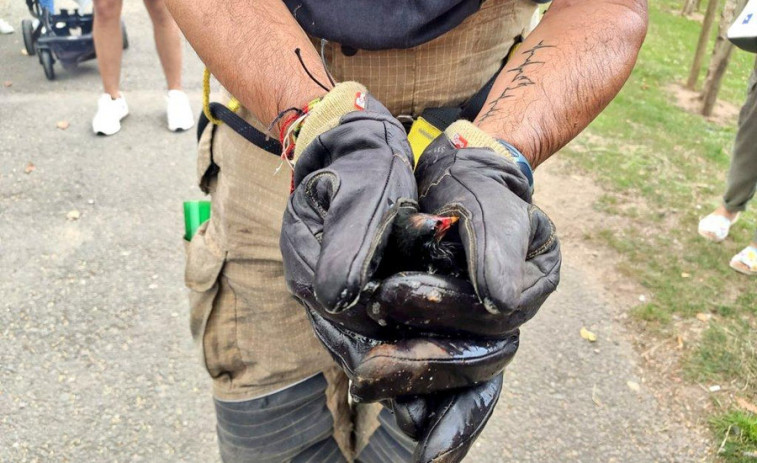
<point x="685" y="275"/>
<point x="704" y="317"/>
<point x="63" y="125"/>
<point x="588" y="335"/>
<point x="746" y="405"/>
<point x="73" y="215"/>
<point x="29" y="168"/>
<point x="634" y="386"/>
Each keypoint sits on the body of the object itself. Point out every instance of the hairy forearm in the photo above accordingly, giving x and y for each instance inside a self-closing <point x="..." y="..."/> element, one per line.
<point x="249" y="47"/>
<point x="564" y="74"/>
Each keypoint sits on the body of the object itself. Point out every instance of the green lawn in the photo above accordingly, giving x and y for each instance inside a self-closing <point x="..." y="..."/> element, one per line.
<point x="663" y="169"/>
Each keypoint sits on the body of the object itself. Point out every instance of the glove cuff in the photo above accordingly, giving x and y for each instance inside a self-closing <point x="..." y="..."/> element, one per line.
<point x="464" y="134"/>
<point x="344" y="98"/>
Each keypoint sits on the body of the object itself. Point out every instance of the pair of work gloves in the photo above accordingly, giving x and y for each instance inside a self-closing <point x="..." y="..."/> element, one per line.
<point x="431" y="345"/>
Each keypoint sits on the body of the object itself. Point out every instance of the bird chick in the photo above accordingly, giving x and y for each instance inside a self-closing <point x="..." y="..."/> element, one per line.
<point x="417" y="244"/>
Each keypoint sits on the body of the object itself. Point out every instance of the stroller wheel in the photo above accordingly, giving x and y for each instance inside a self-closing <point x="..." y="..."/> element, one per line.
<point x="27" y="29"/>
<point x="125" y="36"/>
<point x="46" y="58"/>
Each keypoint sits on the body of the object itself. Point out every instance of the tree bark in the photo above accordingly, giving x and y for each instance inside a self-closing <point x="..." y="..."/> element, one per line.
<point x="709" y="17"/>
<point x="721" y="55"/>
<point x="688" y="7"/>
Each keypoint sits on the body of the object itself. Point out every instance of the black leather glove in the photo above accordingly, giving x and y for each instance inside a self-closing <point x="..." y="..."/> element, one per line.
<point x="352" y="175"/>
<point x="512" y="252"/>
<point x="447" y="424"/>
<point x="353" y="167"/>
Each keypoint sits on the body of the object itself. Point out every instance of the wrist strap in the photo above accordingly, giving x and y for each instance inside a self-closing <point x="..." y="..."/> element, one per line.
<point x="521" y="161"/>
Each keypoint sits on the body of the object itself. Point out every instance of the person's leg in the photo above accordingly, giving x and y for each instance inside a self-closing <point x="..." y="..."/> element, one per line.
<point x="742" y="177"/>
<point x="5" y="27"/>
<point x="106" y="32"/>
<point x="293" y="424"/>
<point x="167" y="42"/>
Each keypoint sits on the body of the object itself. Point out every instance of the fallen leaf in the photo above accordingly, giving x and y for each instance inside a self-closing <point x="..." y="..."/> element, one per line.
<point x="588" y="335"/>
<point x="746" y="405"/>
<point x="679" y="339"/>
<point x="634" y="386"/>
<point x="7" y="83"/>
<point x="642" y="298"/>
<point x="24" y="52"/>
<point x="714" y="388"/>
<point x="704" y="317"/>
<point x="73" y="215"/>
<point x="63" y="125"/>
<point x="29" y="168"/>
<point x="685" y="275"/>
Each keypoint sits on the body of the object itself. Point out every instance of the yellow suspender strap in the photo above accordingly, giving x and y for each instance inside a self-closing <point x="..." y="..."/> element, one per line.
<point x="233" y="103"/>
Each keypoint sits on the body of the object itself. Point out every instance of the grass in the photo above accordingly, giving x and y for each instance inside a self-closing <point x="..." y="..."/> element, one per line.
<point x="739" y="430"/>
<point x="663" y="169"/>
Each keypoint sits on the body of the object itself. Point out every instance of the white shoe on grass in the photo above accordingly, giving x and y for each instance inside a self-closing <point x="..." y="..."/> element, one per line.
<point x="5" y="28"/>
<point x="107" y="121"/>
<point x="179" y="111"/>
<point x="715" y="227"/>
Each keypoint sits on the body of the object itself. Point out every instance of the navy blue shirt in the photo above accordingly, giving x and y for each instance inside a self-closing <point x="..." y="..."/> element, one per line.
<point x="380" y="24"/>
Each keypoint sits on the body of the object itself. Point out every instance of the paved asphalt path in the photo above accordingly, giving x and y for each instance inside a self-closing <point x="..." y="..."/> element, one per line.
<point x="96" y="361"/>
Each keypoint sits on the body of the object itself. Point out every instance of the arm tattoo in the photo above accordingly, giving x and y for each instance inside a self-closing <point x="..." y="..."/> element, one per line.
<point x="520" y="79"/>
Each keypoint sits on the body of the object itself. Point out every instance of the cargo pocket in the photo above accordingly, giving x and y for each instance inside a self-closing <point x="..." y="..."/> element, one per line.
<point x="207" y="169"/>
<point x="203" y="267"/>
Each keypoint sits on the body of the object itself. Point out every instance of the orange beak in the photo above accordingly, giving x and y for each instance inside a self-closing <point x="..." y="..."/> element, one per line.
<point x="442" y="225"/>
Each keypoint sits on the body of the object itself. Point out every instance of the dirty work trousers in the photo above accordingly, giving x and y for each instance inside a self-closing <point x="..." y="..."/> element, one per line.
<point x="255" y="340"/>
<point x="742" y="176"/>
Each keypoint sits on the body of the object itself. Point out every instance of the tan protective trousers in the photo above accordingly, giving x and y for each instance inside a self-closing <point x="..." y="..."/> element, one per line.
<point x="254" y="338"/>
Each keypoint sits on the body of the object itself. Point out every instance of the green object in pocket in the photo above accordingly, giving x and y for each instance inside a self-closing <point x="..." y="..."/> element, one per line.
<point x="195" y="214"/>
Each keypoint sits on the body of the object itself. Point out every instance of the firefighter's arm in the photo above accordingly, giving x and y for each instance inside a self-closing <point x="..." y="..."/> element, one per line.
<point x="564" y="74"/>
<point x="249" y="46"/>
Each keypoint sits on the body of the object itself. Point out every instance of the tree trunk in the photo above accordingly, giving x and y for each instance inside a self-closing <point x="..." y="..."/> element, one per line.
<point x="721" y="55"/>
<point x="709" y="17"/>
<point x="699" y="5"/>
<point x="688" y="7"/>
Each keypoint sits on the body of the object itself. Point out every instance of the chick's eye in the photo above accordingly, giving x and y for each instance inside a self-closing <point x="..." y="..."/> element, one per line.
<point x="438" y="224"/>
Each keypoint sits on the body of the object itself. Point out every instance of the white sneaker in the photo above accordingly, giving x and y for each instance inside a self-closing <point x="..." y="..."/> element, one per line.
<point x="5" y="28"/>
<point x="107" y="121"/>
<point x="179" y="111"/>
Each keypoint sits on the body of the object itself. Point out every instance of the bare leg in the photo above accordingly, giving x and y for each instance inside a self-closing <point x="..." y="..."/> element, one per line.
<point x="730" y="215"/>
<point x="167" y="41"/>
<point x="106" y="32"/>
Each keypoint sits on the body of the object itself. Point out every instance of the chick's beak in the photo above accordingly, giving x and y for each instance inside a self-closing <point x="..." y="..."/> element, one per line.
<point x="442" y="225"/>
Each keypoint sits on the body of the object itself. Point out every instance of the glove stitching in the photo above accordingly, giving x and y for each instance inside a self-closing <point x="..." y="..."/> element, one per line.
<point x="311" y="195"/>
<point x="376" y="238"/>
<point x="473" y="260"/>
<point x="435" y="183"/>
<point x="403" y="159"/>
<point x="549" y="241"/>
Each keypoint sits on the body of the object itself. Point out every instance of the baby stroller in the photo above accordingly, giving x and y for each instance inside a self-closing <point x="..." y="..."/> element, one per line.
<point x="65" y="36"/>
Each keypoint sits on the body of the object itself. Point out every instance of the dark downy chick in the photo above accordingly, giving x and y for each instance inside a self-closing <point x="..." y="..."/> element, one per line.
<point x="417" y="244"/>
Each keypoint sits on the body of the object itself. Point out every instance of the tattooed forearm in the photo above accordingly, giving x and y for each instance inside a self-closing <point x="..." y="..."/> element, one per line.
<point x="520" y="79"/>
